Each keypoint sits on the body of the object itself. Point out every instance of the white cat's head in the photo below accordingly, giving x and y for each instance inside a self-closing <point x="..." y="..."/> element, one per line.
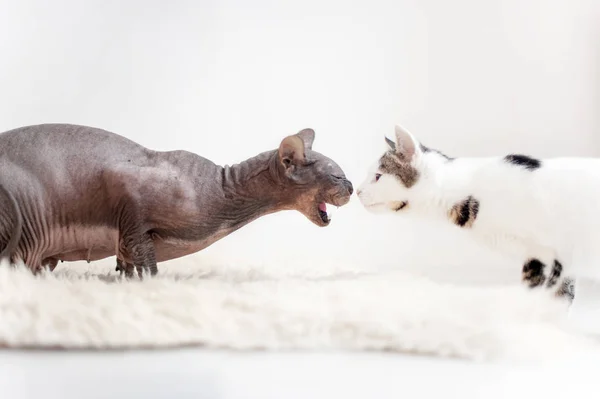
<point x="405" y="174"/>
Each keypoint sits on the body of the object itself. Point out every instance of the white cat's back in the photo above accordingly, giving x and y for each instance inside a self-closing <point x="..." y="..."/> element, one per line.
<point x="554" y="206"/>
<point x="575" y="184"/>
<point x="571" y="186"/>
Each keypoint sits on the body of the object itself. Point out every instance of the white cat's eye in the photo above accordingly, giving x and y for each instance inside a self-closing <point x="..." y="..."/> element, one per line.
<point x="377" y="176"/>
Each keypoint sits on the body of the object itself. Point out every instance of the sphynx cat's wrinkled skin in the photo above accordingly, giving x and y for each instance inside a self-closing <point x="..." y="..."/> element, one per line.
<point x="74" y="193"/>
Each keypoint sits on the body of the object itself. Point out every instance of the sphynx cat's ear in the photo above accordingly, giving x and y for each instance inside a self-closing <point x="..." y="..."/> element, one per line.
<point x="406" y="147"/>
<point x="291" y="151"/>
<point x="308" y="137"/>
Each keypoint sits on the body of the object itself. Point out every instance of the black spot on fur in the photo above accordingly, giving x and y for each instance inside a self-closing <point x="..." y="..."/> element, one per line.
<point x="401" y="206"/>
<point x="555" y="273"/>
<point x="426" y="149"/>
<point x="524" y="161"/>
<point x="566" y="290"/>
<point x="474" y="208"/>
<point x="465" y="212"/>
<point x="533" y="273"/>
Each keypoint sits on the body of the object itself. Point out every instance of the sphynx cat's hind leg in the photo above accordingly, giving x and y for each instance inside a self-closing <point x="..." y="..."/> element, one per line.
<point x="11" y="224"/>
<point x="50" y="263"/>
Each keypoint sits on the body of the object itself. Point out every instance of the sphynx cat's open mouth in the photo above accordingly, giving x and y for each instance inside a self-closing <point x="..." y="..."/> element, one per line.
<point x="73" y="193"/>
<point x="323" y="212"/>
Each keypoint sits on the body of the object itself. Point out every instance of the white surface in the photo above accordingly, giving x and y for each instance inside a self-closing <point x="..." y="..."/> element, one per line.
<point x="196" y="373"/>
<point x="242" y="306"/>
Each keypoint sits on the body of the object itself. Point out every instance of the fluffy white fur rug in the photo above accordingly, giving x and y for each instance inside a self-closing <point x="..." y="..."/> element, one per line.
<point x="195" y="302"/>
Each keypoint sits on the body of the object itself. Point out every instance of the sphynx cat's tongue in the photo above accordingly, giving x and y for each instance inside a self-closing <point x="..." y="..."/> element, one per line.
<point x="324" y="213"/>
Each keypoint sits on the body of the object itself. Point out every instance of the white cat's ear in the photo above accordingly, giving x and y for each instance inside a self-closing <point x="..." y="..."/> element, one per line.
<point x="407" y="147"/>
<point x="390" y="144"/>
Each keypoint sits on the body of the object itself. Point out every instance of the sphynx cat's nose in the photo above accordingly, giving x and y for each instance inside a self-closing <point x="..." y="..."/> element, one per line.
<point x="348" y="185"/>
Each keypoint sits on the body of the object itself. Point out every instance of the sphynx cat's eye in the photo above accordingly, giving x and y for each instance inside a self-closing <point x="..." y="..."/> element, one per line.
<point x="377" y="176"/>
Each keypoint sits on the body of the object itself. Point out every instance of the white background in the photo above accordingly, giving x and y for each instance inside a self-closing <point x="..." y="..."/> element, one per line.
<point x="229" y="79"/>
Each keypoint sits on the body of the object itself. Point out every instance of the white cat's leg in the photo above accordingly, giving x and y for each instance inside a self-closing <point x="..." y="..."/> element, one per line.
<point x="584" y="315"/>
<point x="541" y="269"/>
<point x="539" y="272"/>
<point x="561" y="280"/>
<point x="565" y="289"/>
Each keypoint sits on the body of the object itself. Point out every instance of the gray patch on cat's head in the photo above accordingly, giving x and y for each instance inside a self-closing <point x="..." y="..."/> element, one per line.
<point x="399" y="160"/>
<point x="426" y="149"/>
<point x="391" y="164"/>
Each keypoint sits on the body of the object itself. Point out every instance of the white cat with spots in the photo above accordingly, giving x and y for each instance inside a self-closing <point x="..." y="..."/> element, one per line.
<point x="546" y="212"/>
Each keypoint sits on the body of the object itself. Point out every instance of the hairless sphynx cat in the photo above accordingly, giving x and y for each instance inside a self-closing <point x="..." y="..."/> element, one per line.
<point x="73" y="193"/>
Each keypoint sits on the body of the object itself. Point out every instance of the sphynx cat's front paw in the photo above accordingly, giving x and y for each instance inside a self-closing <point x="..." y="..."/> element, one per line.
<point x="126" y="268"/>
<point x="135" y="242"/>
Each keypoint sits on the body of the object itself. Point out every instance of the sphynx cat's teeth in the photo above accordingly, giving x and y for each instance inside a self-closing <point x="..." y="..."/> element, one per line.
<point x="331" y="211"/>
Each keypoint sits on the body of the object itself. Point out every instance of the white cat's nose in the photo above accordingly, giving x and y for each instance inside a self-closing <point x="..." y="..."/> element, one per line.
<point x="358" y="192"/>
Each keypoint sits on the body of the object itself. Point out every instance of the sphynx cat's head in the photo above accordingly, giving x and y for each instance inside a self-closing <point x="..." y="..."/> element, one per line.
<point x="309" y="180"/>
<point x="404" y="175"/>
